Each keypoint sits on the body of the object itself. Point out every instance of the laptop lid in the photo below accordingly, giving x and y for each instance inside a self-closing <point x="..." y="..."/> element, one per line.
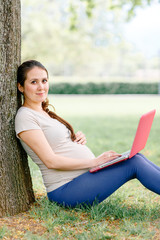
<point x="142" y="132"/>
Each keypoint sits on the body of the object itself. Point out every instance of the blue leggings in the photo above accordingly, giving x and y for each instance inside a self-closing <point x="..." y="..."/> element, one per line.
<point x="88" y="187"/>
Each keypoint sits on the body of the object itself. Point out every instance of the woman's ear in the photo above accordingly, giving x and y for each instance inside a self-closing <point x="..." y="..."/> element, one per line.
<point x="20" y="88"/>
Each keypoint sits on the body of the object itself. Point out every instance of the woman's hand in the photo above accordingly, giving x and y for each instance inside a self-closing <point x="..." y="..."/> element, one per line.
<point x="106" y="157"/>
<point x="80" y="138"/>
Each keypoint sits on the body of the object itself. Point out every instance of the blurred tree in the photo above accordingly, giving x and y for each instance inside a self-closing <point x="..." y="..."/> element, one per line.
<point x="127" y="6"/>
<point x="72" y="37"/>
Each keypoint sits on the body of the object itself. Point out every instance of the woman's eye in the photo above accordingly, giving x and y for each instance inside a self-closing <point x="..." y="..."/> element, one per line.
<point x="33" y="82"/>
<point x="45" y="80"/>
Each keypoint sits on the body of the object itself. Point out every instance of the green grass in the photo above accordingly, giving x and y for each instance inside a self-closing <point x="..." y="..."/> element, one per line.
<point x="132" y="212"/>
<point x="3" y="231"/>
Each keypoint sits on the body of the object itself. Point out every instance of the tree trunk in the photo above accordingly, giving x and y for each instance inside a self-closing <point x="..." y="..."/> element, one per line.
<point x="16" y="192"/>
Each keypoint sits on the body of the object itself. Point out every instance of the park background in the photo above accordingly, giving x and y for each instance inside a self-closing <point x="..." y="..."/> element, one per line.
<point x="101" y="49"/>
<point x="110" y="46"/>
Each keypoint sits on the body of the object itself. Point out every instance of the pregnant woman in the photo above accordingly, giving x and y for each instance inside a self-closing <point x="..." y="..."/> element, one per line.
<point x="62" y="155"/>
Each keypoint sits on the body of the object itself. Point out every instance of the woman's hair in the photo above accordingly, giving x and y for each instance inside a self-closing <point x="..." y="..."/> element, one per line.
<point x="23" y="69"/>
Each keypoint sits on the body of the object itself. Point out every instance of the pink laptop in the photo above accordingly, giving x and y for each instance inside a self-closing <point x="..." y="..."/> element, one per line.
<point x="139" y="142"/>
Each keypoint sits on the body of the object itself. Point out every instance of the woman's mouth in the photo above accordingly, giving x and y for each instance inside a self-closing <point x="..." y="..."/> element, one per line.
<point x="40" y="94"/>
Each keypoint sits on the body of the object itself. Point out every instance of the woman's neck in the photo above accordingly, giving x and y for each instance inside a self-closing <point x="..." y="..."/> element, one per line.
<point x="36" y="107"/>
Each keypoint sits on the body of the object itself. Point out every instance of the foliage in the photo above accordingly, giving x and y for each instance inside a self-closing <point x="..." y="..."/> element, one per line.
<point x="96" y="47"/>
<point x="129" y="7"/>
<point x="104" y="88"/>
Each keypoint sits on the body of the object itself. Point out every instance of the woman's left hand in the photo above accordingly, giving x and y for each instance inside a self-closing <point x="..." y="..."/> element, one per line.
<point x="80" y="138"/>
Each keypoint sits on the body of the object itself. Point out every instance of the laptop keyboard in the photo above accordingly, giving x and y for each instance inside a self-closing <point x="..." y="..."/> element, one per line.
<point x="124" y="155"/>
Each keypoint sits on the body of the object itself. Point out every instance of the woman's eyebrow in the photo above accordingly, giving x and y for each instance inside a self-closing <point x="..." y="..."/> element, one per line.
<point x="33" y="79"/>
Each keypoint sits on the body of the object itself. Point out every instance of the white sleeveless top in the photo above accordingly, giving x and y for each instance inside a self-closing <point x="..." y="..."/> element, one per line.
<point x="58" y="136"/>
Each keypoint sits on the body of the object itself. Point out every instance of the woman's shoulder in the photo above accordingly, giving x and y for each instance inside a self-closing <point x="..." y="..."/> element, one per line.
<point x="25" y="120"/>
<point x="24" y="110"/>
<point x="24" y="113"/>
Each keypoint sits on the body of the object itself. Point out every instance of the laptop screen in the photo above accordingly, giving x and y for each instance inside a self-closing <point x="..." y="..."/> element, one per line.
<point x="142" y="132"/>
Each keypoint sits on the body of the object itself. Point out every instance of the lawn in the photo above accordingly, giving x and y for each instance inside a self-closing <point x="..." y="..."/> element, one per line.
<point x="132" y="212"/>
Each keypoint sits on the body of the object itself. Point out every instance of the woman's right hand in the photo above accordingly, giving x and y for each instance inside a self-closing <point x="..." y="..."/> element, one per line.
<point x="106" y="157"/>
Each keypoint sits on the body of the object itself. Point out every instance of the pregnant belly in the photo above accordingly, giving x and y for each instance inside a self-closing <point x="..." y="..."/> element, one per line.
<point x="74" y="150"/>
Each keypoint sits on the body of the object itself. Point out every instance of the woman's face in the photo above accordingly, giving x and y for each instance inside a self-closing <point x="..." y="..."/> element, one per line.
<point x="36" y="86"/>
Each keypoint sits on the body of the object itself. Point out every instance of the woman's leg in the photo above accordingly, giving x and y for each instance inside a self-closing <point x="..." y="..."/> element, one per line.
<point x="151" y="163"/>
<point x="89" y="187"/>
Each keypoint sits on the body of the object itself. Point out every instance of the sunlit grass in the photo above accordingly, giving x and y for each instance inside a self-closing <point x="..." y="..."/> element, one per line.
<point x="104" y="105"/>
<point x="132" y="212"/>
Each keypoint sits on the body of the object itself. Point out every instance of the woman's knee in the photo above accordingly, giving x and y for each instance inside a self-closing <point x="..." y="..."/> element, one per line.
<point x="136" y="160"/>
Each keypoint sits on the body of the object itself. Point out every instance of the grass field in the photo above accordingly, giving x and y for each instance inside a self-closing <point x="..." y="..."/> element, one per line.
<point x="132" y="212"/>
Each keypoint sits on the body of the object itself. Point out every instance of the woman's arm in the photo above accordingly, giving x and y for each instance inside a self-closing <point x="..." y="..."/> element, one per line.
<point x="37" y="141"/>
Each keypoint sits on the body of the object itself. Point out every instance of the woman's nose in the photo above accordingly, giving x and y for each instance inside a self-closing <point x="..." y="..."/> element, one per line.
<point x="40" y="86"/>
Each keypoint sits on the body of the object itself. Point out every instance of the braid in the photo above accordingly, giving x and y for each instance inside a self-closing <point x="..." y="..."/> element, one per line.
<point x="45" y="105"/>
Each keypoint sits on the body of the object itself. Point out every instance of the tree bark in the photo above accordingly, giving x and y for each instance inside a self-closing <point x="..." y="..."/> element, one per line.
<point x="16" y="192"/>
